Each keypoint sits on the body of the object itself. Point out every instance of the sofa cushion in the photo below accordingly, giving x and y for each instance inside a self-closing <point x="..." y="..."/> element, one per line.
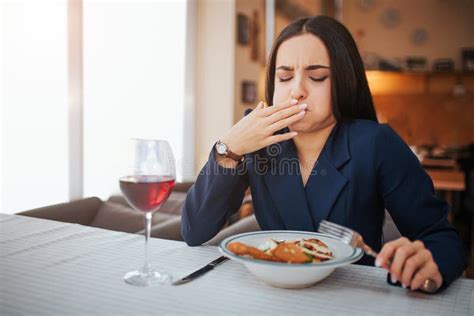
<point x="390" y="231"/>
<point x="118" y="217"/>
<point x="80" y="211"/>
<point x="172" y="206"/>
<point x="169" y="229"/>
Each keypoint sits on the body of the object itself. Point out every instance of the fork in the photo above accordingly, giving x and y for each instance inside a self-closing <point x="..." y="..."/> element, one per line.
<point x="354" y="239"/>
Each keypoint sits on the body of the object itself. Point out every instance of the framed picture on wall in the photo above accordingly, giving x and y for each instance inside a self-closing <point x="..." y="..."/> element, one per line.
<point x="249" y="92"/>
<point x="255" y="37"/>
<point x="243" y="29"/>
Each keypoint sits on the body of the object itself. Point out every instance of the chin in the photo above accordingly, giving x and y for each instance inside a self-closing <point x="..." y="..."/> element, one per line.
<point x="304" y="127"/>
<point x="299" y="127"/>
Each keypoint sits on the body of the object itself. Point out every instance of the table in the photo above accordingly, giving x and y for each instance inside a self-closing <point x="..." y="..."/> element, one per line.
<point x="54" y="268"/>
<point x="449" y="180"/>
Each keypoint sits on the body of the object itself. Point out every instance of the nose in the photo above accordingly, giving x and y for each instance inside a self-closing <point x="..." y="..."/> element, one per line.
<point x="298" y="90"/>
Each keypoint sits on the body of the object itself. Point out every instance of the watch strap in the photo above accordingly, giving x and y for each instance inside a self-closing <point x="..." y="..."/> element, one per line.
<point x="233" y="156"/>
<point x="229" y="153"/>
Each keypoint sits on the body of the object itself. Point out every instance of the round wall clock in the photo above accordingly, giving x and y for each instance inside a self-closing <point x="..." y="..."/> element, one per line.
<point x="419" y="36"/>
<point x="391" y="17"/>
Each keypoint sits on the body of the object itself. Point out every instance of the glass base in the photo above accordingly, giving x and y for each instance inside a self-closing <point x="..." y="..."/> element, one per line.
<point x="152" y="278"/>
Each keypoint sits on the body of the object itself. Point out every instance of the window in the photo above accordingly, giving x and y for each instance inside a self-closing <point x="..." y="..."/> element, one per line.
<point x="134" y="55"/>
<point x="134" y="84"/>
<point x="34" y="104"/>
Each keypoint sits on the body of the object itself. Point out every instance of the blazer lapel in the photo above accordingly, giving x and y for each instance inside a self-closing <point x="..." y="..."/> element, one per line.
<point x="285" y="186"/>
<point x="326" y="182"/>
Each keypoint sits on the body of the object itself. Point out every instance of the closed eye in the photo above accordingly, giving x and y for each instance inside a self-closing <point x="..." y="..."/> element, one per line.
<point x="312" y="78"/>
<point x="284" y="79"/>
<point x="318" y="79"/>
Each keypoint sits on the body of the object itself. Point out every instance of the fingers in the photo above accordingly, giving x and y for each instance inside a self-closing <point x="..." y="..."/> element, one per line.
<point x="412" y="265"/>
<point x="275" y="108"/>
<point x="402" y="255"/>
<point x="388" y="251"/>
<point x="429" y="271"/>
<point x="286" y="121"/>
<point x="285" y="113"/>
<point x="280" y="138"/>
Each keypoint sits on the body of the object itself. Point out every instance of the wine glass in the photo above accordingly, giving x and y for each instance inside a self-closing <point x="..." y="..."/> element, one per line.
<point x="146" y="187"/>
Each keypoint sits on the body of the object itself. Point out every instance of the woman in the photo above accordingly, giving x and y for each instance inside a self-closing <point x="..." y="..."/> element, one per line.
<point x="318" y="153"/>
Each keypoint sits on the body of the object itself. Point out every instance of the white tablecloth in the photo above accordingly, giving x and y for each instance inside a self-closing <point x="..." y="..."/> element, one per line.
<point x="54" y="268"/>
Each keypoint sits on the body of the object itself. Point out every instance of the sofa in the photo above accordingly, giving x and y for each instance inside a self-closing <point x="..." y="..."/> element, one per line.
<point x="115" y="214"/>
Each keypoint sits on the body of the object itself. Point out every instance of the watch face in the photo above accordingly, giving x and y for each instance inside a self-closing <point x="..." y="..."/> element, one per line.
<point x="221" y="149"/>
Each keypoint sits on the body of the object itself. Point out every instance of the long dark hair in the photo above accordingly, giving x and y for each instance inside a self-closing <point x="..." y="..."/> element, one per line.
<point x="350" y="93"/>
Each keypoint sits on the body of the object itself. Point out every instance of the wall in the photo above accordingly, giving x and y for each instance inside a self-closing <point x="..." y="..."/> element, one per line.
<point x="422" y="108"/>
<point x="449" y="24"/>
<point x="214" y="74"/>
<point x="246" y="68"/>
<point x="251" y="70"/>
<point x="288" y="10"/>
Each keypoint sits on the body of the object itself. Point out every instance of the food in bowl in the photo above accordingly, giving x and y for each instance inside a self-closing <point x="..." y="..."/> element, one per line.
<point x="300" y="251"/>
<point x="289" y="276"/>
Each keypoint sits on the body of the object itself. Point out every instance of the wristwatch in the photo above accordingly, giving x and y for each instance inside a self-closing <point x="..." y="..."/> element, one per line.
<point x="224" y="151"/>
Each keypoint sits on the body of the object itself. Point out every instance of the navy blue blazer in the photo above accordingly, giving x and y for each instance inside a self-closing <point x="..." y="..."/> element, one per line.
<point x="363" y="169"/>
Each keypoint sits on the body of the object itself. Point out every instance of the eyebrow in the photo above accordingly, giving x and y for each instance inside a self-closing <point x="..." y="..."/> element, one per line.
<point x="310" y="67"/>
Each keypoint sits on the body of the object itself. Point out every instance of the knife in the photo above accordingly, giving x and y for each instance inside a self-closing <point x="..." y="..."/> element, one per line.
<point x="208" y="267"/>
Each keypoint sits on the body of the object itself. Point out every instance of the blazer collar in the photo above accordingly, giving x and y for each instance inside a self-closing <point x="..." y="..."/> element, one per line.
<point x="302" y="208"/>
<point x="336" y="148"/>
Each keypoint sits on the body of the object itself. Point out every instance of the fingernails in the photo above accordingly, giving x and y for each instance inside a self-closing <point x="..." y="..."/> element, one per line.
<point x="294" y="133"/>
<point x="294" y="102"/>
<point x="404" y="286"/>
<point x="378" y="263"/>
<point x="394" y="279"/>
<point x="303" y="106"/>
<point x="302" y="113"/>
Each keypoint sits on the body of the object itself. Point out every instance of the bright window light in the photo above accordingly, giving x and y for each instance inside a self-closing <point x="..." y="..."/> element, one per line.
<point x="134" y="81"/>
<point x="33" y="104"/>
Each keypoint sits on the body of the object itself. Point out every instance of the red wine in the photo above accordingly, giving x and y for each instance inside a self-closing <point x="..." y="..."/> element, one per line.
<point x="146" y="193"/>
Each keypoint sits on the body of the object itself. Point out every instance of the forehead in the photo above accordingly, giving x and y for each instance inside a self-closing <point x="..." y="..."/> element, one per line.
<point x="302" y="50"/>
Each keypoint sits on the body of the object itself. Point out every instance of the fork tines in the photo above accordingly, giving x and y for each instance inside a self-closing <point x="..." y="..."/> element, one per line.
<point x="341" y="232"/>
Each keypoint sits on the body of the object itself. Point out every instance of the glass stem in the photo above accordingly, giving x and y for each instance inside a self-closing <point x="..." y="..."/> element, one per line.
<point x="148" y="216"/>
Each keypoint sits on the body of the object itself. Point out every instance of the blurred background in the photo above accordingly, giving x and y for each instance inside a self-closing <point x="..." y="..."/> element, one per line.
<point x="79" y="78"/>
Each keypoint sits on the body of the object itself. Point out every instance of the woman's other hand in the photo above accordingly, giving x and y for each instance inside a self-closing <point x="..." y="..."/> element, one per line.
<point x="412" y="263"/>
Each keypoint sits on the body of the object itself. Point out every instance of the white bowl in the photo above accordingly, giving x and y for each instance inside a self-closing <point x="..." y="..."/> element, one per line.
<point x="287" y="275"/>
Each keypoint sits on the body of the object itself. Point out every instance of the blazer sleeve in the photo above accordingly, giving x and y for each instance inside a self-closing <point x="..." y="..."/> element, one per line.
<point x="408" y="195"/>
<point x="214" y="197"/>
